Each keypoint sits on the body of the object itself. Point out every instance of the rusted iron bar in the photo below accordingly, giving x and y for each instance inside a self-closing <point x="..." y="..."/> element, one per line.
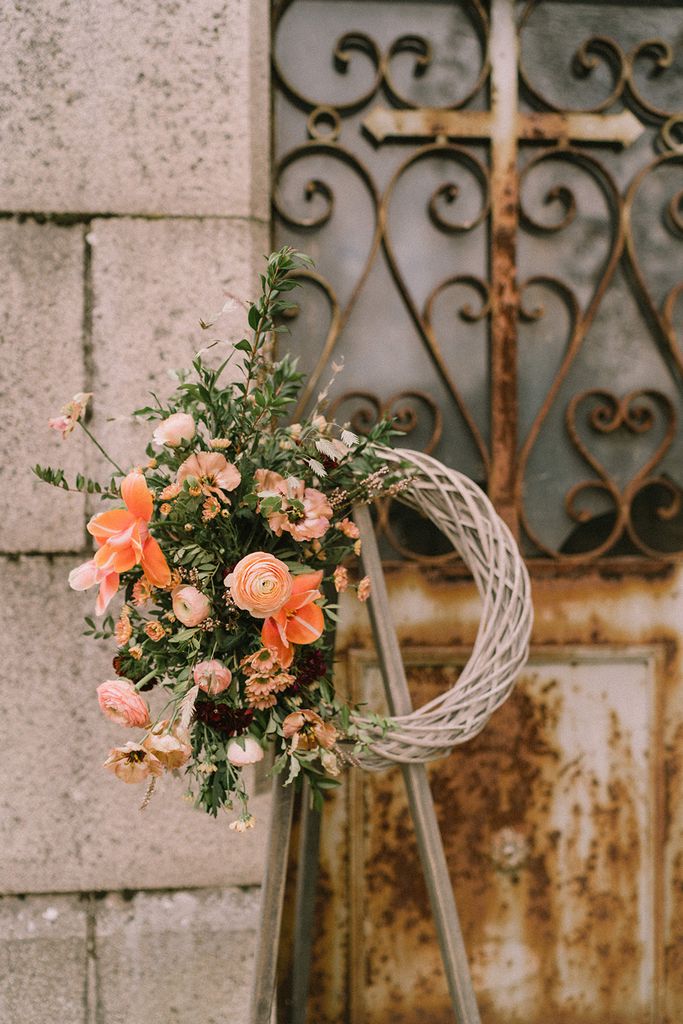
<point x="272" y="899"/>
<point x="304" y="905"/>
<point x="420" y="799"/>
<point x="383" y="123"/>
<point x="503" y="44"/>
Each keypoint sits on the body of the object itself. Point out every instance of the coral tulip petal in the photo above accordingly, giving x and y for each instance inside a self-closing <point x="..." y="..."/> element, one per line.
<point x="154" y="564"/>
<point x="112" y="559"/>
<point x="307" y="581"/>
<point x="108" y="524"/>
<point x="270" y="638"/>
<point x="137" y="496"/>
<point x="84" y="575"/>
<point x="108" y="587"/>
<point x="306" y="625"/>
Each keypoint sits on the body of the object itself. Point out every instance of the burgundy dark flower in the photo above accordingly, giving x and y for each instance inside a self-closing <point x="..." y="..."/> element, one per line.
<point x="311" y="666"/>
<point x="224" y="719"/>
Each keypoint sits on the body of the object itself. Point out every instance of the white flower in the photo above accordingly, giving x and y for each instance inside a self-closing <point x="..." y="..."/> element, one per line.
<point x="244" y="751"/>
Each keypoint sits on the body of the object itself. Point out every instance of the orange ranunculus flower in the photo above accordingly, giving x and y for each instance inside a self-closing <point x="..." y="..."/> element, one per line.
<point x="123" y="538"/>
<point x="260" y="584"/>
<point x="299" y="621"/>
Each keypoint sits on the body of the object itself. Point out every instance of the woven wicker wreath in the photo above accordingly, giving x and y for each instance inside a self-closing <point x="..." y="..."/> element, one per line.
<point x="464" y="514"/>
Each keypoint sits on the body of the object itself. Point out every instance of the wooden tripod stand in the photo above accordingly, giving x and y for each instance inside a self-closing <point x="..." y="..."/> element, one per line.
<point x="426" y="828"/>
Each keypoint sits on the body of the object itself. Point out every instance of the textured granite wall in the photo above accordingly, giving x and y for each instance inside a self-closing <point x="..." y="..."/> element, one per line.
<point x="133" y="195"/>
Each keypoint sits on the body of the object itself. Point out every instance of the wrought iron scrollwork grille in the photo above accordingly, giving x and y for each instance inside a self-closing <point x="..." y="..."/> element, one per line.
<point x="494" y="198"/>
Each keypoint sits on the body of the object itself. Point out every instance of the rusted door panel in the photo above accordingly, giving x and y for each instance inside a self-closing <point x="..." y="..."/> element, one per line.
<point x="549" y="819"/>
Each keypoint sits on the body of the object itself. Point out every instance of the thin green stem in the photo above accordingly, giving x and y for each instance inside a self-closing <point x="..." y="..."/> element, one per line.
<point x="98" y="445"/>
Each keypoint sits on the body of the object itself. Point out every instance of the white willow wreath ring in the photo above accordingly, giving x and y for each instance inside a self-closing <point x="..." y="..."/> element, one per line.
<point x="463" y="513"/>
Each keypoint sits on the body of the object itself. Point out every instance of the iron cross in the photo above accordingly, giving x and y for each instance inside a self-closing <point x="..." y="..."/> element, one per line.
<point x="503" y="126"/>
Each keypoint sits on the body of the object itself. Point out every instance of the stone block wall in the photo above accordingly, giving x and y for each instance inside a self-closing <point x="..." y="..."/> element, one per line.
<point x="133" y="197"/>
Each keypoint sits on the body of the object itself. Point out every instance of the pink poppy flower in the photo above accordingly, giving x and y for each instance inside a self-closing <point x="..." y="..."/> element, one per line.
<point x="212" y="471"/>
<point x="307" y="523"/>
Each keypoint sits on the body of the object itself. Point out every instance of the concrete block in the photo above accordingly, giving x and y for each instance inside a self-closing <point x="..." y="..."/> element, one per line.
<point x="43" y="960"/>
<point x="152" y="282"/>
<point x="184" y="957"/>
<point x="125" y="107"/>
<point x="41" y="332"/>
<point x="66" y="823"/>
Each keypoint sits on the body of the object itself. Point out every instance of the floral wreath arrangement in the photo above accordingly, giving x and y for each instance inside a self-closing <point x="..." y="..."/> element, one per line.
<point x="230" y="546"/>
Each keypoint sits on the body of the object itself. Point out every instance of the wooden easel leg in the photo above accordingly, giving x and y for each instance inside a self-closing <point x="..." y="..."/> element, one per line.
<point x="304" y="906"/>
<point x="272" y="899"/>
<point x="420" y="799"/>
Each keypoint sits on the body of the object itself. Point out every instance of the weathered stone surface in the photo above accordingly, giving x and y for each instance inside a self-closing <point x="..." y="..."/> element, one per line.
<point x="152" y="282"/>
<point x="65" y="823"/>
<point x="182" y="957"/>
<point x="43" y="960"/>
<point x="41" y="333"/>
<point x="125" y="107"/>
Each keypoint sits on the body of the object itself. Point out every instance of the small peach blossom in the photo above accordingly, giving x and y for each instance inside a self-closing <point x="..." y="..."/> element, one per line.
<point x="71" y="413"/>
<point x="261" y="663"/>
<point x="348" y="528"/>
<point x="155" y="631"/>
<point x="142" y="591"/>
<point x="210" y="509"/>
<point x="170" y="492"/>
<point x="341" y="579"/>
<point x="133" y="763"/>
<point x="260" y="584"/>
<point x="190" y="606"/>
<point x="242" y="824"/>
<point x="330" y="762"/>
<point x="308" y="730"/>
<point x="246" y="750"/>
<point x="123" y="629"/>
<point x="212" y="676"/>
<point x="357" y="547"/>
<point x="220" y="443"/>
<point x="120" y="701"/>
<point x="170" y="745"/>
<point x="165" y="508"/>
<point x="175" y="429"/>
<point x="135" y="652"/>
<point x="364" y="588"/>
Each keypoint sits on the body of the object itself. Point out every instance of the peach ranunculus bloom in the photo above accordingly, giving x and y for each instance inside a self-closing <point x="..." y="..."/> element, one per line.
<point x="121" y="702"/>
<point x="299" y="621"/>
<point x="190" y="606"/>
<point x="305" y="512"/>
<point x="124" y="541"/>
<point x="171" y="746"/>
<point x="212" y="676"/>
<point x="175" y="429"/>
<point x="260" y="584"/>
<point x="308" y="731"/>
<point x="133" y="763"/>
<point x="246" y="751"/>
<point x="212" y="471"/>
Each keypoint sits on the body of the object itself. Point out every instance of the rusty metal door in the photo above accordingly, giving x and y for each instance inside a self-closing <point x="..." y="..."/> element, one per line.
<point x="493" y="193"/>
